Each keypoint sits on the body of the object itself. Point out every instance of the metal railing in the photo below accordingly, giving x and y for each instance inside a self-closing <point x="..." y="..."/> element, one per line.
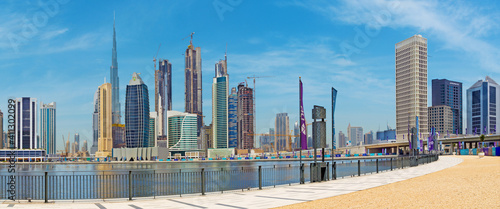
<point x="79" y="185"/>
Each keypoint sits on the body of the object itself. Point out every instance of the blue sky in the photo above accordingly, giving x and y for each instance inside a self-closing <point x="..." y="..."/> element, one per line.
<point x="60" y="51"/>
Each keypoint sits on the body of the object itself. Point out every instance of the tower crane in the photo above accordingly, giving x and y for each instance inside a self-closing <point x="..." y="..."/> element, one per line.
<point x="154" y="58"/>
<point x="254" y="98"/>
<point x="190" y="42"/>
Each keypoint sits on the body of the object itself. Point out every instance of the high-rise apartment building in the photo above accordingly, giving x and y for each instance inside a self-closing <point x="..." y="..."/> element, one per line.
<point x="77" y="142"/>
<point x="118" y="135"/>
<point x="233" y="119"/>
<point x="182" y="131"/>
<point x="115" y="82"/>
<point x="105" y="141"/>
<point x="446" y="92"/>
<point x="368" y="138"/>
<point x="281" y="125"/>
<point x="220" y="90"/>
<point x="245" y="117"/>
<point x="411" y="85"/>
<point x="48" y="127"/>
<point x="26" y="123"/>
<point x="193" y="81"/>
<point x="137" y="114"/>
<point x="342" y="141"/>
<point x="95" y="123"/>
<point x="483" y="101"/>
<point x="355" y="135"/>
<point x="163" y="96"/>
<point x="441" y="118"/>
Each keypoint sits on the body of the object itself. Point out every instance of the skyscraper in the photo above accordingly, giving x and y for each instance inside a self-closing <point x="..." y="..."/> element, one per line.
<point x="48" y="127"/>
<point x="137" y="114"/>
<point x="105" y="141"/>
<point x="163" y="96"/>
<point x="282" y="128"/>
<point x="233" y="119"/>
<point x="483" y="101"/>
<point x="26" y="123"/>
<point x="193" y="81"/>
<point x="115" y="81"/>
<point x="77" y="142"/>
<point x="220" y="90"/>
<point x="118" y="135"/>
<point x="355" y="135"/>
<point x="245" y="117"/>
<point x="446" y="92"/>
<point x="182" y="131"/>
<point x="296" y="132"/>
<point x="95" y="123"/>
<point x="411" y="85"/>
<point x="368" y="138"/>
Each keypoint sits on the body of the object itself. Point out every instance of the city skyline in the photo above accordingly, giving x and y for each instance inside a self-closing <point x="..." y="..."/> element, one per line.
<point x="76" y="58"/>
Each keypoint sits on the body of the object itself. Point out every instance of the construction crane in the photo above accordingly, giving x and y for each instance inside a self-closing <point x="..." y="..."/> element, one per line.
<point x="154" y="58"/>
<point x="190" y="42"/>
<point x="254" y="98"/>
<point x="275" y="135"/>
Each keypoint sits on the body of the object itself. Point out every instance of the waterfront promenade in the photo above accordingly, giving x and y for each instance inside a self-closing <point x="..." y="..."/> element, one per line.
<point x="267" y="198"/>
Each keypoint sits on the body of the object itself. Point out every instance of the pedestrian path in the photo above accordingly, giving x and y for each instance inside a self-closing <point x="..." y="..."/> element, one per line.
<point x="267" y="198"/>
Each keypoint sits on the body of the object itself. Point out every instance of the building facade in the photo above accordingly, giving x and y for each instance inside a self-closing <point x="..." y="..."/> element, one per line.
<point x="77" y="142"/>
<point x="446" y="92"/>
<point x="220" y="91"/>
<point x="411" y="85"/>
<point x="105" y="141"/>
<point x="389" y="134"/>
<point x="26" y="123"/>
<point x="2" y="139"/>
<point x="342" y="141"/>
<point x="115" y="82"/>
<point x="137" y="114"/>
<point x="118" y="135"/>
<point x="441" y="118"/>
<point x="245" y="117"/>
<point x="483" y="101"/>
<point x="153" y="126"/>
<point x="281" y="126"/>
<point x="163" y="96"/>
<point x="48" y="127"/>
<point x="355" y="135"/>
<point x="95" y="123"/>
<point x="368" y="138"/>
<point x="193" y="80"/>
<point x="233" y="118"/>
<point x="182" y="131"/>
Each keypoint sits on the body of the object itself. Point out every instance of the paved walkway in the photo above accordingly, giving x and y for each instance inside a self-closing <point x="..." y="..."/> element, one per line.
<point x="267" y="198"/>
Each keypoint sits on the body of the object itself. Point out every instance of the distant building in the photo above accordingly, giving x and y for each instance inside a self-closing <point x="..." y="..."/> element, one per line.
<point x="245" y="117"/>
<point x="105" y="143"/>
<point x="153" y="126"/>
<point x="48" y="127"/>
<point x="342" y="140"/>
<point x="309" y="141"/>
<point x="77" y="140"/>
<point x="95" y="123"/>
<point x="118" y="135"/>
<point x="411" y="85"/>
<point x="282" y="128"/>
<point x="137" y="114"/>
<point x="388" y="134"/>
<point x="368" y="138"/>
<point x="446" y="92"/>
<point x="1" y="131"/>
<point x="182" y="131"/>
<point x="296" y="132"/>
<point x="441" y="118"/>
<point x="163" y="98"/>
<point x="220" y="91"/>
<point x="355" y="135"/>
<point x="206" y="138"/>
<point x="84" y="146"/>
<point x="233" y="118"/>
<point x="483" y="101"/>
<point x="26" y="128"/>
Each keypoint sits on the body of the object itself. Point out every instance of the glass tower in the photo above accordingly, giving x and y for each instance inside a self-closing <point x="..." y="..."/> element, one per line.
<point x="48" y="127"/>
<point x="137" y="114"/>
<point x="482" y="105"/>
<point x="182" y="131"/>
<point x="449" y="93"/>
<point x="26" y="123"/>
<point x="233" y="119"/>
<point x="220" y="88"/>
<point x="115" y="81"/>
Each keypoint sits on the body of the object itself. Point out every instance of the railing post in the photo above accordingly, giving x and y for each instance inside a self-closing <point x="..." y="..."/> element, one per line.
<point x="391" y="163"/>
<point x="260" y="177"/>
<point x="129" y="185"/>
<point x="377" y="165"/>
<point x="46" y="187"/>
<point x="302" y="173"/>
<point x="359" y="168"/>
<point x="328" y="171"/>
<point x="203" y="181"/>
<point x="334" y="170"/>
<point x="402" y="162"/>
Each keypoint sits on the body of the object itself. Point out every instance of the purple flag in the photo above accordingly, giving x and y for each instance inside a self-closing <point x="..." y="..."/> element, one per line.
<point x="303" y="127"/>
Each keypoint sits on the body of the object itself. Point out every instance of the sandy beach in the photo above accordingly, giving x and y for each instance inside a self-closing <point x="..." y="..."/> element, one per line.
<point x="474" y="183"/>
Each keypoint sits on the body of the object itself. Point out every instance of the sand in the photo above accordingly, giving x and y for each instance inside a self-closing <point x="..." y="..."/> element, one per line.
<point x="474" y="183"/>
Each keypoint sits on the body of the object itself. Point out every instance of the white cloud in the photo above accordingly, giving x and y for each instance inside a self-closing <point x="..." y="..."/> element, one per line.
<point x="52" y="34"/>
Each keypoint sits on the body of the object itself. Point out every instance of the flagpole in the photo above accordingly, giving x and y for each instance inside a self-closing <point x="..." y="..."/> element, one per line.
<point x="300" y="131"/>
